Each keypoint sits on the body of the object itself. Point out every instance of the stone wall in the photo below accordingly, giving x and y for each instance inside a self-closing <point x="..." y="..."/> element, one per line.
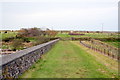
<point x="15" y="64"/>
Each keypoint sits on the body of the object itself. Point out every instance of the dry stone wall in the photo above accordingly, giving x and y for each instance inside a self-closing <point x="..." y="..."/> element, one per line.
<point x="15" y="64"/>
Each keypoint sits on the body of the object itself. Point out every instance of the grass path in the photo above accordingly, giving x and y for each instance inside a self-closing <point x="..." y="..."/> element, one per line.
<point x="68" y="59"/>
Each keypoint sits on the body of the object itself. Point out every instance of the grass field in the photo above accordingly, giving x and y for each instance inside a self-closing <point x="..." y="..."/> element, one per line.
<point x="9" y="34"/>
<point x="114" y="43"/>
<point x="93" y="35"/>
<point x="69" y="59"/>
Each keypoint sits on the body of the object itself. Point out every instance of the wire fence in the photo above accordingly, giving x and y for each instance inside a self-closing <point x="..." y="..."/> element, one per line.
<point x="102" y="47"/>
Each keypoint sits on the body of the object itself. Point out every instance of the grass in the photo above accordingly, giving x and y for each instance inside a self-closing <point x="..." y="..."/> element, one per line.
<point x="93" y="35"/>
<point x="114" y="43"/>
<point x="7" y="35"/>
<point x="69" y="59"/>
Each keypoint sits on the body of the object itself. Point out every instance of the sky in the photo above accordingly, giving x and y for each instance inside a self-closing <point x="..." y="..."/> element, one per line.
<point x="85" y="15"/>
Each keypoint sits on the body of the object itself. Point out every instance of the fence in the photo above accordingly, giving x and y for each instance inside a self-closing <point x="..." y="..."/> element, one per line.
<point x="102" y="47"/>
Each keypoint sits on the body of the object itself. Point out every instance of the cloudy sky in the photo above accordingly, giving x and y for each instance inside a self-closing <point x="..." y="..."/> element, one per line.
<point x="60" y="14"/>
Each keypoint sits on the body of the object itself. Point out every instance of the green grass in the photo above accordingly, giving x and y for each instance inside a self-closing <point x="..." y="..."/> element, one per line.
<point x="7" y="35"/>
<point x="113" y="43"/>
<point x="93" y="35"/>
<point x="69" y="59"/>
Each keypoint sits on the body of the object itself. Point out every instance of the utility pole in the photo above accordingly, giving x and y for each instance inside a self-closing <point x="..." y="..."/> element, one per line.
<point x="102" y="27"/>
<point x="52" y="28"/>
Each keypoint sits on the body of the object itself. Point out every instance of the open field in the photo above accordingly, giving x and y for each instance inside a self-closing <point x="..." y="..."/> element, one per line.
<point x="95" y="35"/>
<point x="7" y="35"/>
<point x="113" y="43"/>
<point x="62" y="35"/>
<point x="92" y="35"/>
<point x="69" y="59"/>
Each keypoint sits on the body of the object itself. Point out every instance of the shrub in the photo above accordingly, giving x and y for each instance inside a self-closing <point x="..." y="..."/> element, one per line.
<point x="40" y="40"/>
<point x="31" y="32"/>
<point x="51" y="33"/>
<point x="5" y="32"/>
<point x="25" y="39"/>
<point x="17" y="44"/>
<point x="8" y="39"/>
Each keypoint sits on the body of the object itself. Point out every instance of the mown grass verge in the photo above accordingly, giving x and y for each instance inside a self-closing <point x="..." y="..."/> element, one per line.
<point x="69" y="59"/>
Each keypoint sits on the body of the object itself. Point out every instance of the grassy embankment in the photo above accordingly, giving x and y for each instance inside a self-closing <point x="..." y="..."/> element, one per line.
<point x="69" y="59"/>
<point x="113" y="43"/>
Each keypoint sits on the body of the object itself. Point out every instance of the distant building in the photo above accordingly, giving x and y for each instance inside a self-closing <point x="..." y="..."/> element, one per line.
<point x="44" y="29"/>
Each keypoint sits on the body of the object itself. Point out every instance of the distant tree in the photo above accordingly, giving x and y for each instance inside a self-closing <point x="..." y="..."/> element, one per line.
<point x="87" y="31"/>
<point x="22" y="33"/>
<point x="51" y="33"/>
<point x="47" y="29"/>
<point x="97" y="31"/>
<point x="5" y="32"/>
<point x="32" y="32"/>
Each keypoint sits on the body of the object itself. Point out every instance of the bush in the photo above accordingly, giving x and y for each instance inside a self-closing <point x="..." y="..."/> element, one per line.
<point x="25" y="39"/>
<point x="31" y="32"/>
<point x="8" y="39"/>
<point x="51" y="33"/>
<point x="5" y="32"/>
<point x="17" y="44"/>
<point x="40" y="40"/>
